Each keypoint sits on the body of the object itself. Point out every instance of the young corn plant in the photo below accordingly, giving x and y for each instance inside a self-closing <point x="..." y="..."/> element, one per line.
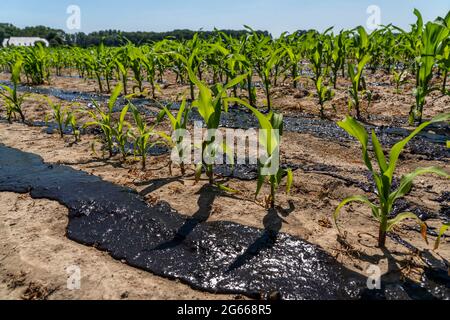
<point x="121" y="132"/>
<point x="137" y="58"/>
<point x="271" y="131"/>
<point x="179" y="124"/>
<point x="59" y="115"/>
<point x="271" y="142"/>
<point x="210" y="105"/>
<point x="338" y="52"/>
<point x="382" y="210"/>
<point x="355" y="74"/>
<point x="430" y="43"/>
<point x="362" y="57"/>
<point x="104" y="120"/>
<point x="295" y="54"/>
<point x="325" y="94"/>
<point x="142" y="138"/>
<point x="71" y="121"/>
<point x="122" y="70"/>
<point x="12" y="100"/>
<point x="36" y="60"/>
<point x="318" y="48"/>
<point x="64" y="118"/>
<point x="266" y="59"/>
<point x="399" y="79"/>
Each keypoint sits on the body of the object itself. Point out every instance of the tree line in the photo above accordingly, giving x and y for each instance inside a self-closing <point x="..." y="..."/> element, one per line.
<point x="112" y="38"/>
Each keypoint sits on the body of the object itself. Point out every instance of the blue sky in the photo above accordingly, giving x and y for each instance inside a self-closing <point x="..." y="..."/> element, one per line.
<point x="164" y="15"/>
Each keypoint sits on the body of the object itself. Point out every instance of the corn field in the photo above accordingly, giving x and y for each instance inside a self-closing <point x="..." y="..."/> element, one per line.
<point x="128" y="117"/>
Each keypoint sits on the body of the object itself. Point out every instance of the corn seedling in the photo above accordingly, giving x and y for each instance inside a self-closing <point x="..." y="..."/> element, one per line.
<point x="318" y="48"/>
<point x="210" y="105"/>
<point x="355" y="74"/>
<point x="59" y="115"/>
<point x="104" y="119"/>
<point x="71" y="121"/>
<point x="295" y="54"/>
<point x="399" y="78"/>
<point x="35" y="64"/>
<point x="141" y="137"/>
<point x="271" y="131"/>
<point x="266" y="69"/>
<point x="384" y="178"/>
<point x="338" y="51"/>
<point x="12" y="100"/>
<point x="121" y="132"/>
<point x="355" y="71"/>
<point x="325" y="94"/>
<point x="179" y="124"/>
<point x="430" y="42"/>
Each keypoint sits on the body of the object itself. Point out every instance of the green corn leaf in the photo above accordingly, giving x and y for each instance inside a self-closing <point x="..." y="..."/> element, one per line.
<point x="227" y="189"/>
<point x="173" y="120"/>
<point x="407" y="182"/>
<point x="235" y="81"/>
<point x="361" y="199"/>
<point x="444" y="229"/>
<point x="114" y="95"/>
<point x="398" y="148"/>
<point x="408" y="215"/>
<point x="260" y="183"/>
<point x="181" y="111"/>
<point x="198" y="172"/>
<point x="228" y="152"/>
<point x="290" y="180"/>
<point x="379" y="153"/>
<point x="124" y="113"/>
<point x="356" y="130"/>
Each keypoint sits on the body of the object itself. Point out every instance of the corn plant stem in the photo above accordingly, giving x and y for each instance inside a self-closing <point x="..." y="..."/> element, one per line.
<point x="249" y="88"/>
<point x="100" y="86"/>
<point x="108" y="86"/>
<point x="272" y="195"/>
<point x="294" y="75"/>
<point x="61" y="132"/>
<point x="444" y="83"/>
<point x="22" y="116"/>
<point x="269" y="105"/>
<point x="191" y="85"/>
<point x="124" y="81"/>
<point x="322" y="111"/>
<point x="383" y="228"/>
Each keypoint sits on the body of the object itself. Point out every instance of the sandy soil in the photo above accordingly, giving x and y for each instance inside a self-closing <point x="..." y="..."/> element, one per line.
<point x="306" y="213"/>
